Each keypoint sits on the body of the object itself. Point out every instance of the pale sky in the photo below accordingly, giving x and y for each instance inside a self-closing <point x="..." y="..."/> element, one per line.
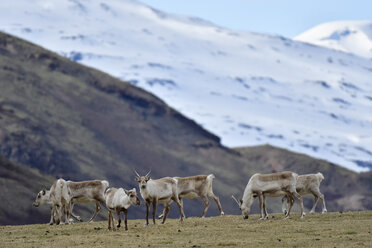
<point x="284" y="17"/>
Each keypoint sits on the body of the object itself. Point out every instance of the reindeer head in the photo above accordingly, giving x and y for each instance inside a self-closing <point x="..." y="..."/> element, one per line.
<point x="243" y="208"/>
<point x="142" y="181"/>
<point x="133" y="197"/>
<point x="41" y="198"/>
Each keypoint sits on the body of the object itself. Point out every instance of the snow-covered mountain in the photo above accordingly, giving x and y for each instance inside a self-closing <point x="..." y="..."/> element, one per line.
<point x="348" y="36"/>
<point x="248" y="88"/>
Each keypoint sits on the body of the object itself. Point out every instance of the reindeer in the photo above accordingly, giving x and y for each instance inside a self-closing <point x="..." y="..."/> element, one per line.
<point x="308" y="184"/>
<point x="88" y="191"/>
<point x="162" y="191"/>
<point x="120" y="200"/>
<point x="43" y="197"/>
<point x="197" y="186"/>
<point x="262" y="185"/>
<point x="58" y="197"/>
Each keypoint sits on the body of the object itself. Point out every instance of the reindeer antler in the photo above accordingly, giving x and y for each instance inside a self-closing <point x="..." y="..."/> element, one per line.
<point x="233" y="197"/>
<point x="134" y="170"/>
<point x="148" y="173"/>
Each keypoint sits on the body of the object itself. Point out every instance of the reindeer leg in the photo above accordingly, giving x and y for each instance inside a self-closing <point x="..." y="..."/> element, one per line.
<point x="166" y="212"/>
<point x="147" y="212"/>
<point x="291" y="201"/>
<point x="217" y="200"/>
<point x="154" y="203"/>
<point x="119" y="219"/>
<point x="184" y="216"/>
<point x="266" y="216"/>
<point x="319" y="195"/>
<point x="109" y="219"/>
<point x="314" y="205"/>
<point x="52" y="213"/>
<point x="73" y="215"/>
<point x="177" y="200"/>
<point x="324" y="209"/>
<point x="59" y="221"/>
<point x="299" y="197"/>
<point x="98" y="208"/>
<point x="162" y="214"/>
<point x="67" y="212"/>
<point x="206" y="205"/>
<point x="285" y="204"/>
<point x="126" y="219"/>
<point x="260" y="198"/>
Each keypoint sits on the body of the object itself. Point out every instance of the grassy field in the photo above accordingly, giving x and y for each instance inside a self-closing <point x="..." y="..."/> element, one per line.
<point x="350" y="229"/>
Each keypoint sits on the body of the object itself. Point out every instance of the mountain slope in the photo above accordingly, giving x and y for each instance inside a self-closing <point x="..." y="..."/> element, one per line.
<point x="249" y="89"/>
<point x="348" y="36"/>
<point x="66" y="120"/>
<point x="74" y="122"/>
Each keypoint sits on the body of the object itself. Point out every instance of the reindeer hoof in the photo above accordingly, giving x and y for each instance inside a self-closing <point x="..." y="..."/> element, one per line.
<point x="222" y="213"/>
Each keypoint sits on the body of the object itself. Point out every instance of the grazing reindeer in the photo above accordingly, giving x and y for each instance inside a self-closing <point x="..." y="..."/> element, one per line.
<point x="43" y="197"/>
<point x="262" y="185"/>
<point x="120" y="200"/>
<point x="308" y="184"/>
<point x="162" y="191"/>
<point x="197" y="186"/>
<point x="58" y="197"/>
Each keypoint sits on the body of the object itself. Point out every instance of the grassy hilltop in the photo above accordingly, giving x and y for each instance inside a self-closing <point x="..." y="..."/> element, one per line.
<point x="350" y="229"/>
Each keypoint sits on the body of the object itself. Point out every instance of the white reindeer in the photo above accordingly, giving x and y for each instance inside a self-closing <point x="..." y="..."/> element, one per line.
<point x="43" y="197"/>
<point x="308" y="184"/>
<point x="59" y="198"/>
<point x="273" y="185"/>
<point x="88" y="191"/>
<point x="197" y="186"/>
<point x="64" y="194"/>
<point x="118" y="200"/>
<point x="163" y="191"/>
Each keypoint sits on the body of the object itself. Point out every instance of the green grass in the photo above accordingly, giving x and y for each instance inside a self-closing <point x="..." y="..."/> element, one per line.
<point x="351" y="229"/>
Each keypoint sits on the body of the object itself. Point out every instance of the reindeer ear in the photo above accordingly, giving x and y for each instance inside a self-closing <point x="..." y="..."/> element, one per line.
<point x="137" y="179"/>
<point x="44" y="191"/>
<point x="241" y="201"/>
<point x="134" y="189"/>
<point x="148" y="178"/>
<point x="126" y="191"/>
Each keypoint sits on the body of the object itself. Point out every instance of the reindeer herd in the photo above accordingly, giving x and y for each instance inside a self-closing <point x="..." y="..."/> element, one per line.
<point x="64" y="194"/>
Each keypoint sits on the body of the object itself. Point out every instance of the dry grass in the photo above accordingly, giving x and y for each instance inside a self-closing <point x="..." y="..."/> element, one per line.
<point x="351" y="229"/>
